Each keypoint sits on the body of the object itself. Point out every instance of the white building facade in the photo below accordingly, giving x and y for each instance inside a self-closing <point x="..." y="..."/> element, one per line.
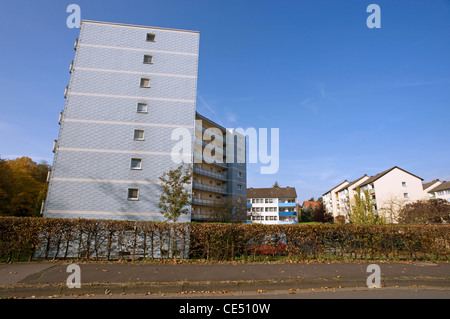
<point x="389" y="191"/>
<point x="272" y="205"/>
<point x="439" y="190"/>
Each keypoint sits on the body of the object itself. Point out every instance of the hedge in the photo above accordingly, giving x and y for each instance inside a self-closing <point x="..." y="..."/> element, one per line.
<point x="25" y="238"/>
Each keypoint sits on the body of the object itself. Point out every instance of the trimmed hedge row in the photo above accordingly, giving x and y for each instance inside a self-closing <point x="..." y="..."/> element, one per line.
<point x="23" y="238"/>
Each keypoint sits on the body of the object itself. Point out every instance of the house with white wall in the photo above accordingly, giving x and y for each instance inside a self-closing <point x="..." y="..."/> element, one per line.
<point x="330" y="198"/>
<point x="275" y="205"/>
<point x="427" y="187"/>
<point x="388" y="191"/>
<point x="345" y="198"/>
<point x="440" y="190"/>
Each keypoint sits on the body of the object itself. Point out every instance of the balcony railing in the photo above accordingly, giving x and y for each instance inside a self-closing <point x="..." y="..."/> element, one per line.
<point x="203" y="129"/>
<point x="206" y="202"/>
<point x="211" y="188"/>
<point x="204" y="143"/>
<point x="199" y="157"/>
<point x="208" y="173"/>
<point x="287" y="213"/>
<point x="287" y="204"/>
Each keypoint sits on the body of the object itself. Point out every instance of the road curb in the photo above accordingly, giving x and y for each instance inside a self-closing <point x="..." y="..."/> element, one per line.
<point x="21" y="291"/>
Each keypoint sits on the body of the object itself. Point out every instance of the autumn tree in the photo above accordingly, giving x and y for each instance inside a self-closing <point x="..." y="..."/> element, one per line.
<point x="432" y="211"/>
<point x="175" y="197"/>
<point x="321" y="215"/>
<point x="231" y="210"/>
<point x="362" y="212"/>
<point x="391" y="208"/>
<point x="305" y="215"/>
<point x="22" y="186"/>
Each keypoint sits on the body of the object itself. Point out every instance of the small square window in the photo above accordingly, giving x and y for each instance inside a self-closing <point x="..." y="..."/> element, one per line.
<point x="148" y="59"/>
<point x="150" y="37"/>
<point x="239" y="187"/>
<point x="239" y="174"/>
<point x="139" y="135"/>
<point x="142" y="108"/>
<point x="136" y="163"/>
<point x="405" y="195"/>
<point x="404" y="184"/>
<point x="145" y="83"/>
<point x="133" y="194"/>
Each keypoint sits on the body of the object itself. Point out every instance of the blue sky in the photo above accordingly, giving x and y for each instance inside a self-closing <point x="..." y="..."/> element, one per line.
<point x="348" y="100"/>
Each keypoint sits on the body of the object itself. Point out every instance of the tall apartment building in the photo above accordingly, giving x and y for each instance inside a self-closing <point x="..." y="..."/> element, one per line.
<point x="387" y="190"/>
<point x="219" y="180"/>
<point x="130" y="88"/>
<point x="272" y="205"/>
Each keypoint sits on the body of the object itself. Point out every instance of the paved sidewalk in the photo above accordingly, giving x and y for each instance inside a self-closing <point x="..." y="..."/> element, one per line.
<point x="49" y="278"/>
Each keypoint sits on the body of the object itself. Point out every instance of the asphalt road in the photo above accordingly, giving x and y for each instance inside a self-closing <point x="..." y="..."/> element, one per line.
<point x="226" y="280"/>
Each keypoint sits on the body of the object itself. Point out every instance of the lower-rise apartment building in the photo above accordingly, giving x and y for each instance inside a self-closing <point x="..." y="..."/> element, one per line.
<point x="388" y="191"/>
<point x="276" y="205"/>
<point x="438" y="190"/>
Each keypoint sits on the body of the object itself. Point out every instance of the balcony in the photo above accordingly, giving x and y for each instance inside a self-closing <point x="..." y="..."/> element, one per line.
<point x="206" y="202"/>
<point x="287" y="205"/>
<point x="203" y="129"/>
<point x="199" y="159"/>
<point x="211" y="188"/>
<point x="287" y="214"/>
<point x="209" y="173"/>
<point x="204" y="143"/>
